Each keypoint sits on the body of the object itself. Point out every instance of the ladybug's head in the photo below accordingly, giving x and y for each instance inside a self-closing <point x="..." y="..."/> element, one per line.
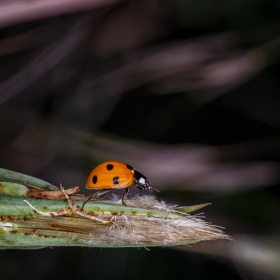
<point x="141" y="182"/>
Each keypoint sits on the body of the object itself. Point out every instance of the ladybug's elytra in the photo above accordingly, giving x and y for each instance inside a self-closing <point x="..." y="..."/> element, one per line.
<point x="111" y="175"/>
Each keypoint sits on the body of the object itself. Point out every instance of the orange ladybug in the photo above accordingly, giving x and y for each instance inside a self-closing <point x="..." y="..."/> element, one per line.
<point x="111" y="175"/>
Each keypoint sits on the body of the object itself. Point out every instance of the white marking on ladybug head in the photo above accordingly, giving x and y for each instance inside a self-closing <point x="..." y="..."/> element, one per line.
<point x="142" y="181"/>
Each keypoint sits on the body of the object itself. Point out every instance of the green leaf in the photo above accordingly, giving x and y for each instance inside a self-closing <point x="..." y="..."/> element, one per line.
<point x="144" y="222"/>
<point x="25" y="180"/>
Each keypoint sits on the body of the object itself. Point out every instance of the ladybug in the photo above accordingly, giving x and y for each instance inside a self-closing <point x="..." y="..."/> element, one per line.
<point x="111" y="175"/>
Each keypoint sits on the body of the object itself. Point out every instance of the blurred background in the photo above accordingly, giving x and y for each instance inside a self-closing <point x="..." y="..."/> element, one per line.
<point x="187" y="92"/>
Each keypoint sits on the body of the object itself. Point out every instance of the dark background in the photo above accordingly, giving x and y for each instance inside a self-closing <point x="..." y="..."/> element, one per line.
<point x="188" y="92"/>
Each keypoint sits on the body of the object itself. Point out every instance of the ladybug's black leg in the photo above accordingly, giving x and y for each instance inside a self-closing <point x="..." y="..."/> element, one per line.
<point x="95" y="195"/>
<point x="141" y="188"/>
<point x="124" y="196"/>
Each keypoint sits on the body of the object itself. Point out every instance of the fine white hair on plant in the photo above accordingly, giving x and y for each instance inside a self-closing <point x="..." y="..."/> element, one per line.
<point x="143" y="222"/>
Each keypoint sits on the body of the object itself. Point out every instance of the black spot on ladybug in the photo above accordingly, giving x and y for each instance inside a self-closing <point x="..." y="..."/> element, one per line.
<point x="109" y="166"/>
<point x="129" y="167"/>
<point x="116" y="180"/>
<point x="94" y="179"/>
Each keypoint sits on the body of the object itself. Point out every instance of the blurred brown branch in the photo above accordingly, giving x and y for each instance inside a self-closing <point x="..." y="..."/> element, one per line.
<point x="45" y="61"/>
<point x="250" y="253"/>
<point x="188" y="166"/>
<point x="15" y="12"/>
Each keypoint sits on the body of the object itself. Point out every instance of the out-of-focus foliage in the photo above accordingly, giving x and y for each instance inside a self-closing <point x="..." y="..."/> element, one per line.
<point x="185" y="91"/>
